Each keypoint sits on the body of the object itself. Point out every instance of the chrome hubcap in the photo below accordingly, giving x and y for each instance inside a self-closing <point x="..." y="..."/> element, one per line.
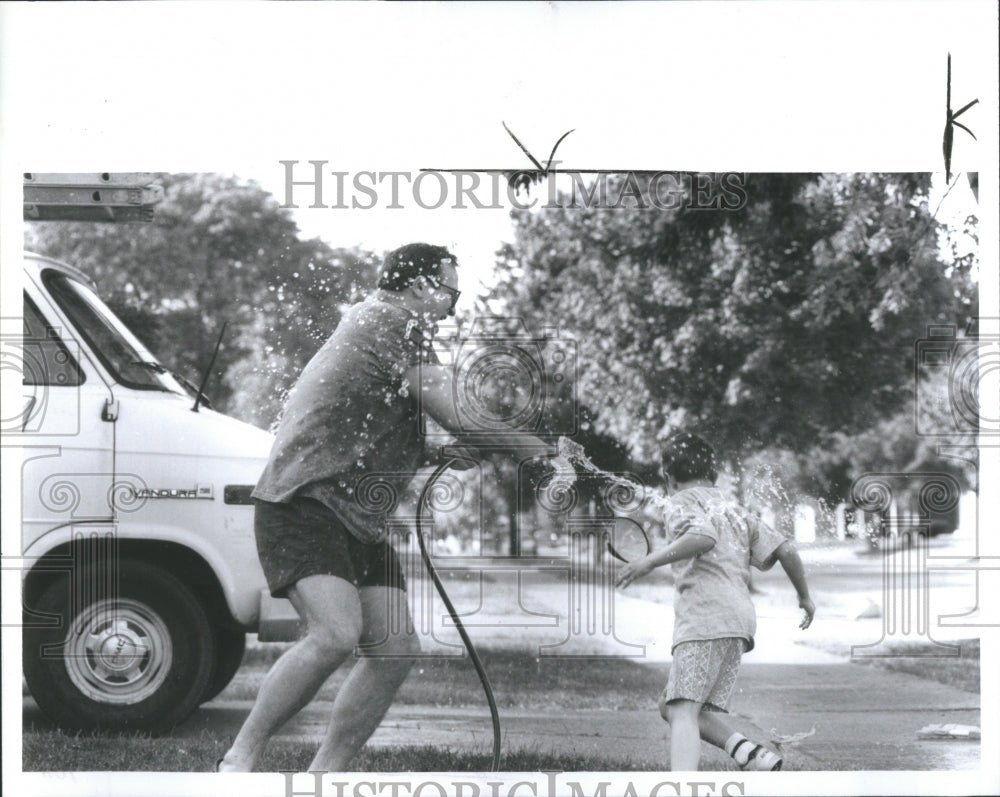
<point x="118" y="652"/>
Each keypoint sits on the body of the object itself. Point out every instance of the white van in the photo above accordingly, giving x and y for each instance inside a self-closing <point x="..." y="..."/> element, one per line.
<point x="141" y="574"/>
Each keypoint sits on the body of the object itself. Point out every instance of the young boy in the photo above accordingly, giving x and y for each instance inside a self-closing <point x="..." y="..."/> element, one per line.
<point x="713" y="543"/>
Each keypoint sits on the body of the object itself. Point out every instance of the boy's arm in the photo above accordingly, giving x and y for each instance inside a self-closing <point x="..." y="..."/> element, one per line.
<point x="689" y="544"/>
<point x="792" y="565"/>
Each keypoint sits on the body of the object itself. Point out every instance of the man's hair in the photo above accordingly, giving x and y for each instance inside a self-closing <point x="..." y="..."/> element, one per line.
<point x="687" y="457"/>
<point x="403" y="266"/>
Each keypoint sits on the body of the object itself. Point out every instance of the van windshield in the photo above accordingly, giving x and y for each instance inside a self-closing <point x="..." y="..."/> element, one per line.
<point x="115" y="346"/>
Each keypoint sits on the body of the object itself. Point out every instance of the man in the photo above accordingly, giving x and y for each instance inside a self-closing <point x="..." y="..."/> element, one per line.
<point x="353" y="413"/>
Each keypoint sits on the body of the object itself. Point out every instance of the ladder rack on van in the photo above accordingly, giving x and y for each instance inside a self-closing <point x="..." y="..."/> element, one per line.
<point x="103" y="196"/>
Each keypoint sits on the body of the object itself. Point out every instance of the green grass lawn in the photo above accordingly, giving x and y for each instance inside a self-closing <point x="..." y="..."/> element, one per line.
<point x="921" y="659"/>
<point x="52" y="751"/>
<point x="962" y="672"/>
<point x="519" y="679"/>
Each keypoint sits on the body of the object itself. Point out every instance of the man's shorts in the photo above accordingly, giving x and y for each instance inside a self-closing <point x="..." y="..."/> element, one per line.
<point x="305" y="538"/>
<point x="705" y="671"/>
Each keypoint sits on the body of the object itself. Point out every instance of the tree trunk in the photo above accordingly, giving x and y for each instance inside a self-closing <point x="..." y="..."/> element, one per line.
<point x="513" y="527"/>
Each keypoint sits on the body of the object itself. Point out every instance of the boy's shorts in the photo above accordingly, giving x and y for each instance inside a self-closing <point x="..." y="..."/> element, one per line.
<point x="705" y="671"/>
<point x="305" y="538"/>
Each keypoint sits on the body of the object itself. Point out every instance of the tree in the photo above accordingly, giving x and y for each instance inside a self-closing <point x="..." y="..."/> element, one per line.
<point x="774" y="325"/>
<point x="895" y="444"/>
<point x="289" y="321"/>
<point x="219" y="249"/>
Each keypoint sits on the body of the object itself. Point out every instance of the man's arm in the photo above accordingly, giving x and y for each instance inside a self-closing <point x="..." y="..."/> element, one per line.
<point x="791" y="562"/>
<point x="689" y="544"/>
<point x="435" y="383"/>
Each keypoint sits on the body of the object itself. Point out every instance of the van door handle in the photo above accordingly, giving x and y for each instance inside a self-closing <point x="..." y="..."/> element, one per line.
<point x="110" y="411"/>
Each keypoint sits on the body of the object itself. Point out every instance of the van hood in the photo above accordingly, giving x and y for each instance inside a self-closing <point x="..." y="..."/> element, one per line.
<point x="164" y="423"/>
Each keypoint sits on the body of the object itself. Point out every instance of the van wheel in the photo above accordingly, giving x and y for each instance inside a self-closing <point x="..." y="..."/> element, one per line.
<point x="138" y="659"/>
<point x="230" y="645"/>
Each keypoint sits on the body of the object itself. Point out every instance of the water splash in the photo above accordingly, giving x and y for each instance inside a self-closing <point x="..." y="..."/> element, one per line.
<point x="574" y="453"/>
<point x="791" y="739"/>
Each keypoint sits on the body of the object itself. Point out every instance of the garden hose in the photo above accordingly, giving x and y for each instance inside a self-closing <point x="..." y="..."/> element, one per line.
<point x="432" y="572"/>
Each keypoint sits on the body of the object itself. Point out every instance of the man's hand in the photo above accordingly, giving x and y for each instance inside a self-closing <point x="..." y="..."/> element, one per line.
<point x="809" y="608"/>
<point x="630" y="571"/>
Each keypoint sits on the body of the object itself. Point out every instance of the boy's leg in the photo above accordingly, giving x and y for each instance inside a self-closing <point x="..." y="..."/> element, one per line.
<point x="332" y="612"/>
<point x="692" y="675"/>
<point x="685" y="739"/>
<point x="740" y="738"/>
<point x="717" y="726"/>
<point x="368" y="691"/>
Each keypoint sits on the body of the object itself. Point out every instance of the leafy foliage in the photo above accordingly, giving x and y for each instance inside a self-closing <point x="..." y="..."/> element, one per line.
<point x="776" y="325"/>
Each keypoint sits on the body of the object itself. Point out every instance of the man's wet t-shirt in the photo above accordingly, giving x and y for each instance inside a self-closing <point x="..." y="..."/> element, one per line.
<point x="350" y="423"/>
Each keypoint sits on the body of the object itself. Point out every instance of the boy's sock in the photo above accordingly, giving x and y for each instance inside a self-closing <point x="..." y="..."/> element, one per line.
<point x="740" y="748"/>
<point x="763" y="760"/>
<point x="750" y="755"/>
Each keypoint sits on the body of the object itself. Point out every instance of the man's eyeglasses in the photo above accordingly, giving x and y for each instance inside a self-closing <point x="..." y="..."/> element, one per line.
<point x="453" y="292"/>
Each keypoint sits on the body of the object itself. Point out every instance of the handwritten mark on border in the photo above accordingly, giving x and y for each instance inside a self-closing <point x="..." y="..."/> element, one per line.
<point x="950" y="125"/>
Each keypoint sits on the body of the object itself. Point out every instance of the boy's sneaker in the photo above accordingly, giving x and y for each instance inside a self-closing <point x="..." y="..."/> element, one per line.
<point x="763" y="760"/>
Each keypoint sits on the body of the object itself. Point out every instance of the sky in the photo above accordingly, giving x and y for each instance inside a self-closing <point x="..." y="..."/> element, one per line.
<point x="473" y="235"/>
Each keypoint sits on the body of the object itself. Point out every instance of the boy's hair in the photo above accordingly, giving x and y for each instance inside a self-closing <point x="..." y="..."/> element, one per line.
<point x="403" y="266"/>
<point x="687" y="457"/>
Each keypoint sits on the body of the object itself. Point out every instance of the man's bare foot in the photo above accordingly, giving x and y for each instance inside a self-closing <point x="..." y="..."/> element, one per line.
<point x="233" y="763"/>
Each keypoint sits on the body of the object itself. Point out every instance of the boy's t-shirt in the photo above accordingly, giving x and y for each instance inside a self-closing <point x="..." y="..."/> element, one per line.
<point x="712" y="590"/>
